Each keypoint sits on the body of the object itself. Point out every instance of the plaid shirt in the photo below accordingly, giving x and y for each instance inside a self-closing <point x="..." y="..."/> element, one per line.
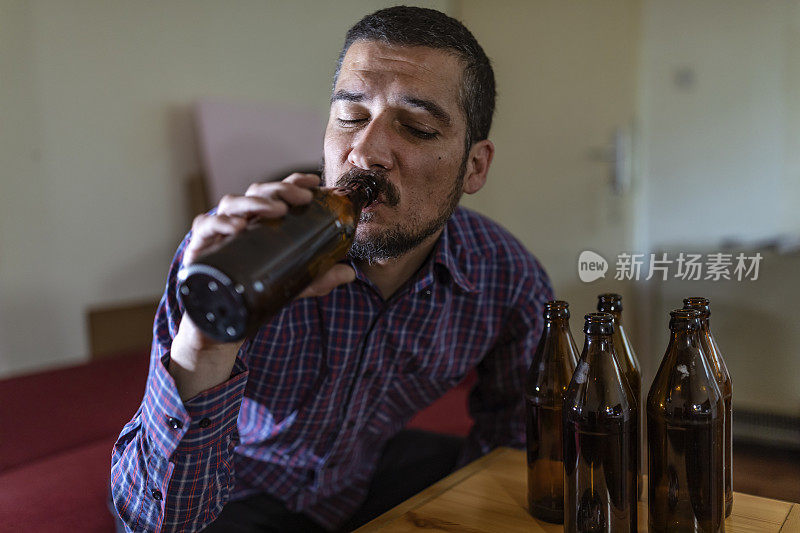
<point x="316" y="393"/>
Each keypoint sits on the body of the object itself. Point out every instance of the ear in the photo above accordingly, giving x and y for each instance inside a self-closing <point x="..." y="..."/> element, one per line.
<point x="478" y="161"/>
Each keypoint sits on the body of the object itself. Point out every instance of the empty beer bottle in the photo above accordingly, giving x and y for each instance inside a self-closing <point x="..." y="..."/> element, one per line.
<point x="600" y="434"/>
<point x="710" y="349"/>
<point x="612" y="303"/>
<point x="685" y="433"/>
<point x="231" y="290"/>
<point x="550" y="372"/>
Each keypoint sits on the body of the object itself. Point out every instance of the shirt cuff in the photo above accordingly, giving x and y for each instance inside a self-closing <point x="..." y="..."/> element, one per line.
<point x="177" y="426"/>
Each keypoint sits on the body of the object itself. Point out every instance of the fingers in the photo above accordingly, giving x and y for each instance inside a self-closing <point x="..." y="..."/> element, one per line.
<point x="262" y="200"/>
<point x="209" y="229"/>
<point x="294" y="190"/>
<point x="339" y="274"/>
<point x="303" y="180"/>
<point x="249" y="207"/>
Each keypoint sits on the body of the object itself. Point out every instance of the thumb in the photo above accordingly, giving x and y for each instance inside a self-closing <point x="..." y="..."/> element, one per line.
<point x="339" y="274"/>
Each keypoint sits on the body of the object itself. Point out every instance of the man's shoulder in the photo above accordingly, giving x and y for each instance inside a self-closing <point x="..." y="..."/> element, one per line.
<point x="489" y="242"/>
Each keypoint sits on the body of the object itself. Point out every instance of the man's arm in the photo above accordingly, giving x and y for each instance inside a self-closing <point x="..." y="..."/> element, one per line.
<point x="496" y="403"/>
<point x="172" y="464"/>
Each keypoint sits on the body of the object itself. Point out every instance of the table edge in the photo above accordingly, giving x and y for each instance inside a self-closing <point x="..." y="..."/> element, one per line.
<point x="435" y="490"/>
<point x="791" y="523"/>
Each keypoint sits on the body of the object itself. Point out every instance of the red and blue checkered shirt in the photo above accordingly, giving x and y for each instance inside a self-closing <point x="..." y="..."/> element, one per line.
<point x="315" y="394"/>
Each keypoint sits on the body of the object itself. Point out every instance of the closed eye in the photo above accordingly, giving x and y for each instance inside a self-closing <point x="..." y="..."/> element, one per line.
<point x="421" y="134"/>
<point x="350" y="121"/>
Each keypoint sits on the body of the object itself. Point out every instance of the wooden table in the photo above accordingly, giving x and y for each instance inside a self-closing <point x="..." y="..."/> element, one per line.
<point x="490" y="495"/>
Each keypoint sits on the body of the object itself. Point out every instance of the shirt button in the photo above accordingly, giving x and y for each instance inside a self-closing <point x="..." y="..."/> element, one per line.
<point x="174" y="423"/>
<point x="427" y="292"/>
<point x="156" y="495"/>
<point x="205" y="422"/>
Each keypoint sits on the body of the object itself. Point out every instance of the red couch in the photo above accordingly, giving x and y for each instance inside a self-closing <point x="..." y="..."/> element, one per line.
<point x="57" y="429"/>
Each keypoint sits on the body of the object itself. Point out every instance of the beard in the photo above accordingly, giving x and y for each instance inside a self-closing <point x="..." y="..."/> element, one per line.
<point x="403" y="236"/>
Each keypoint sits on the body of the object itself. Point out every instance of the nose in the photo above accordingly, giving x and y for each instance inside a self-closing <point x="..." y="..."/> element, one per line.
<point x="372" y="147"/>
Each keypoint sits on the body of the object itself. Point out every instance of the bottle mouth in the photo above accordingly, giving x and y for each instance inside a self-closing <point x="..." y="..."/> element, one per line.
<point x="684" y="318"/>
<point x="556" y="309"/>
<point x="609" y="302"/>
<point x="598" y="324"/>
<point x="365" y="184"/>
<point x="698" y="303"/>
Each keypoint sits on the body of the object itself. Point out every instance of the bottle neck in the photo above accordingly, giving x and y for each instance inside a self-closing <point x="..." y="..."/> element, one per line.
<point x="597" y="343"/>
<point x="556" y="324"/>
<point x="361" y="192"/>
<point x="683" y="338"/>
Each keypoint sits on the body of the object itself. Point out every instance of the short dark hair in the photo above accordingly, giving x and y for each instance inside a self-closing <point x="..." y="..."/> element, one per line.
<point x="417" y="26"/>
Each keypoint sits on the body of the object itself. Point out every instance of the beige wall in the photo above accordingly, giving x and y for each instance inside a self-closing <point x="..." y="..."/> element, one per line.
<point x="566" y="74"/>
<point x="96" y="137"/>
<point x="722" y="159"/>
<point x="96" y="140"/>
<point x="722" y="150"/>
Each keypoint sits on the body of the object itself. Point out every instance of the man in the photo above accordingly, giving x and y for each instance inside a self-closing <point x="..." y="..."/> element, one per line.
<point x="299" y="428"/>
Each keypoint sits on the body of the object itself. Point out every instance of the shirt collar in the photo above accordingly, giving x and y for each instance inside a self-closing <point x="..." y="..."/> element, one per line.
<point x="454" y="256"/>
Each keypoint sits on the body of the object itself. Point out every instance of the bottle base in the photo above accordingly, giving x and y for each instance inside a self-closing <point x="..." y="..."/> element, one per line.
<point x="213" y="302"/>
<point x="547" y="514"/>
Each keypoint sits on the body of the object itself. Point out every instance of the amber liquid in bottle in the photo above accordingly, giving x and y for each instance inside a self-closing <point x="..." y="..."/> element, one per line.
<point x="685" y="433"/>
<point x="720" y="370"/>
<point x="548" y="377"/>
<point x="234" y="288"/>
<point x="612" y="303"/>
<point x="600" y="438"/>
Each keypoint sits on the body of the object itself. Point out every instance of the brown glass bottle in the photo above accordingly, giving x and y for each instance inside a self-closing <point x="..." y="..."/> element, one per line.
<point x="600" y="438"/>
<point x="710" y="349"/>
<point x="612" y="303"/>
<point x="685" y="434"/>
<point x="231" y="290"/>
<point x="548" y="377"/>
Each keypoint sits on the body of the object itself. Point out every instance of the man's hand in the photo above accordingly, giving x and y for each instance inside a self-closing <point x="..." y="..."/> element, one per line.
<point x="198" y="362"/>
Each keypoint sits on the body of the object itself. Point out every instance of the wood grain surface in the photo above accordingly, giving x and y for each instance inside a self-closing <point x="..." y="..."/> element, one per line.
<point x="490" y="495"/>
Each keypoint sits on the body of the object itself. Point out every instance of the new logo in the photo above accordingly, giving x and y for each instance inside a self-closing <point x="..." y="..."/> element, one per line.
<point x="591" y="266"/>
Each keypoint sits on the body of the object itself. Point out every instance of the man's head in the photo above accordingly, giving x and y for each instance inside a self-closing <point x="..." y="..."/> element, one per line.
<point x="412" y="102"/>
<point x="417" y="26"/>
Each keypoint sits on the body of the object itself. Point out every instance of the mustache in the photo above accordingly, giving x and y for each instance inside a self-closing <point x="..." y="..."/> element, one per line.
<point x="387" y="191"/>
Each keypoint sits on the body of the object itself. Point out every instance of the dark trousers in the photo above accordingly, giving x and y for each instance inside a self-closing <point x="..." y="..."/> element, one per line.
<point x="410" y="461"/>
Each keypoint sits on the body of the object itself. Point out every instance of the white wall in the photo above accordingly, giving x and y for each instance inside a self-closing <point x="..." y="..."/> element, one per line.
<point x="722" y="148"/>
<point x="96" y="137"/>
<point x="96" y="140"/>
<point x="722" y="160"/>
<point x="566" y="75"/>
<point x="791" y="175"/>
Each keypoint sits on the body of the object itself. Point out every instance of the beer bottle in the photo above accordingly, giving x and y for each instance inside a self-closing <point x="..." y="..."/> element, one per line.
<point x="685" y="433"/>
<point x="231" y="290"/>
<point x="709" y="347"/>
<point x="600" y="438"/>
<point x="612" y="303"/>
<point x="550" y="372"/>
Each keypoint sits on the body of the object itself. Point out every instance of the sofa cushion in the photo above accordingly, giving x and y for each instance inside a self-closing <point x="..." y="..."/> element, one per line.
<point x="56" y="410"/>
<point x="448" y="414"/>
<point x="65" y="492"/>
